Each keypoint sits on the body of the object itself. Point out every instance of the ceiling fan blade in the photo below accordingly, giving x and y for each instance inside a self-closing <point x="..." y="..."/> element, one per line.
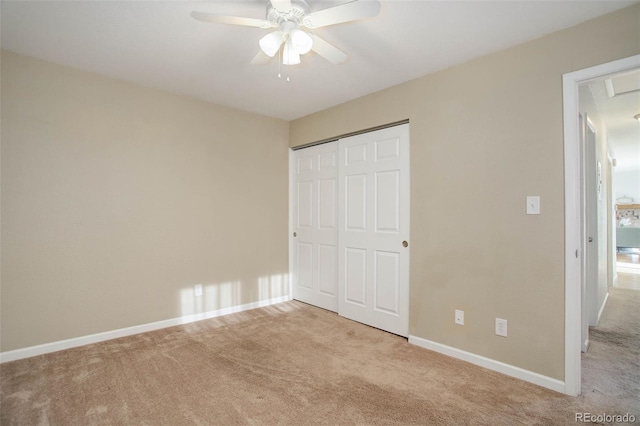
<point x="327" y="51"/>
<point x="281" y="5"/>
<point x="260" y="59"/>
<point x="342" y="13"/>
<point x="233" y="20"/>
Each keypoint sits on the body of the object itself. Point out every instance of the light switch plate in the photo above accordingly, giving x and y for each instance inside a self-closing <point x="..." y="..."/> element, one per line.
<point x="501" y="327"/>
<point x="533" y="204"/>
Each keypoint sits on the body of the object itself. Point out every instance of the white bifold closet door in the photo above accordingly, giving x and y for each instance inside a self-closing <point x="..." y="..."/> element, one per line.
<point x="367" y="207"/>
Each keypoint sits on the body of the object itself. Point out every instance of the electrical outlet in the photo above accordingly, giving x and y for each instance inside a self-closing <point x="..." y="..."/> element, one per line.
<point x="197" y="289"/>
<point x="459" y="317"/>
<point x="501" y="327"/>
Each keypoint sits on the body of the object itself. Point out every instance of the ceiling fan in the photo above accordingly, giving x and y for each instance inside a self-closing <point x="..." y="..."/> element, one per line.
<point x="292" y="19"/>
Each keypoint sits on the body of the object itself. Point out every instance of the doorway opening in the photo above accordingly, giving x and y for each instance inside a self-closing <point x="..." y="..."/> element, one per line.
<point x="576" y="214"/>
<point x="628" y="270"/>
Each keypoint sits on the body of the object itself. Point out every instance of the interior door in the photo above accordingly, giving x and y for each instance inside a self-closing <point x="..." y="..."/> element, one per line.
<point x="373" y="261"/>
<point x="584" y="236"/>
<point x="315" y="226"/>
<point x="593" y="242"/>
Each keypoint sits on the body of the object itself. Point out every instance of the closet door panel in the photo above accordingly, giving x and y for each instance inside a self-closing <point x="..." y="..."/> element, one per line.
<point x="315" y="220"/>
<point x="373" y="229"/>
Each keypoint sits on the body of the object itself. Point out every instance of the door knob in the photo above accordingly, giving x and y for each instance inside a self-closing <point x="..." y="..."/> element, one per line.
<point x="590" y="239"/>
<point x="405" y="244"/>
<point x="295" y="234"/>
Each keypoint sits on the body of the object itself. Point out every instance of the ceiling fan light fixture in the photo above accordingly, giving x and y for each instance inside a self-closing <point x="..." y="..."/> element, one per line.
<point x="290" y="19"/>
<point x="270" y="44"/>
<point x="289" y="55"/>
<point x="302" y="42"/>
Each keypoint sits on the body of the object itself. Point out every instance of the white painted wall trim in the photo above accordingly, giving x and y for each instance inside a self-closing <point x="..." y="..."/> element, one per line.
<point x="573" y="215"/>
<point x="129" y="331"/>
<point x="491" y="364"/>
<point x="604" y="303"/>
<point x="292" y="188"/>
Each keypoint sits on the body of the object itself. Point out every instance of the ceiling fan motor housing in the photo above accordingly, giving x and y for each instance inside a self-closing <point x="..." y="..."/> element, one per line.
<point x="296" y="42"/>
<point x="299" y="9"/>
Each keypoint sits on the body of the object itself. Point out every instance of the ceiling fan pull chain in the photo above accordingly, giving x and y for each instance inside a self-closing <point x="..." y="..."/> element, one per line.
<point x="279" y="61"/>
<point x="287" y="78"/>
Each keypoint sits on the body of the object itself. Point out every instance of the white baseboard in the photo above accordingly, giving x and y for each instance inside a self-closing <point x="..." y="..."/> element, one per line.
<point x="491" y="364"/>
<point x="122" y="332"/>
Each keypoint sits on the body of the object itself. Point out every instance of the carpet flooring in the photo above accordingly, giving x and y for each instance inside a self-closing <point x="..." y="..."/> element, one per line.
<point x="294" y="364"/>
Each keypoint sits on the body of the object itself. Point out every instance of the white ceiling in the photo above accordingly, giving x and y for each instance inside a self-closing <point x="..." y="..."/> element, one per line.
<point x="158" y="44"/>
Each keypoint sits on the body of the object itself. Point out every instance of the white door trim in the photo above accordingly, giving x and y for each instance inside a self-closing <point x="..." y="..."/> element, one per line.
<point x="292" y="183"/>
<point x="574" y="248"/>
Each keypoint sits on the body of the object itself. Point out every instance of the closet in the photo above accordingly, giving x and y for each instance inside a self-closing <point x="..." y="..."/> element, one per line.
<point x="350" y="227"/>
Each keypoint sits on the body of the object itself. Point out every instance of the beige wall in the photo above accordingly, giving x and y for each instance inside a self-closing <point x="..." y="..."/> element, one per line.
<point x="117" y="199"/>
<point x="484" y="135"/>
